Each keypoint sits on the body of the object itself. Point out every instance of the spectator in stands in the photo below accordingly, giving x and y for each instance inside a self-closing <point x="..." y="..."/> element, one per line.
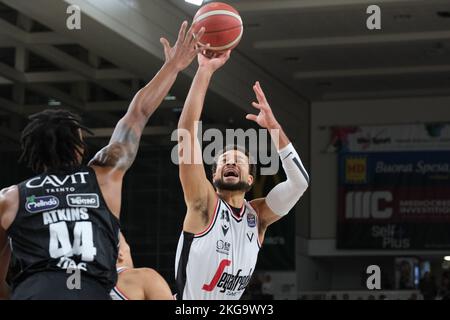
<point x="405" y="276"/>
<point x="428" y="286"/>
<point x="333" y="297"/>
<point x="371" y="297"/>
<point x="345" y="296"/>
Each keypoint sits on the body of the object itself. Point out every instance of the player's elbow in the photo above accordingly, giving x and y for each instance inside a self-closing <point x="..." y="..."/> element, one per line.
<point x="300" y="185"/>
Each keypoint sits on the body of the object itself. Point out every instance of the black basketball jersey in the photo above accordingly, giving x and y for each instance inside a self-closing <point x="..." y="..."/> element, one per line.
<point x="63" y="224"/>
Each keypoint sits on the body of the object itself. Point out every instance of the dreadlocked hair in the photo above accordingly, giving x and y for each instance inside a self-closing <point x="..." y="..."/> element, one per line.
<point x="52" y="141"/>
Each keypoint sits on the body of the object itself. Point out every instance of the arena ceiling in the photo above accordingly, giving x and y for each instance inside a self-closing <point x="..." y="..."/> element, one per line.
<point x="302" y="51"/>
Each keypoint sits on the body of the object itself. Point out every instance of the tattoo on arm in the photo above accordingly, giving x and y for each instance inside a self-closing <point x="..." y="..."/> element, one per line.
<point x="122" y="149"/>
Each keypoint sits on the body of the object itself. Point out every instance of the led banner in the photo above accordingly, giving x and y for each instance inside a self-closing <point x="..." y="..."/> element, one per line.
<point x="394" y="200"/>
<point x="415" y="137"/>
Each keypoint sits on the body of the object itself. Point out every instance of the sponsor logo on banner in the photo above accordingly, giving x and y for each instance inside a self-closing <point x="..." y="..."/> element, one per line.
<point x="86" y="200"/>
<point x="415" y="137"/>
<point x="392" y="236"/>
<point x="367" y="142"/>
<point x="404" y="205"/>
<point x="356" y="170"/>
<point x="367" y="205"/>
<point x="39" y="204"/>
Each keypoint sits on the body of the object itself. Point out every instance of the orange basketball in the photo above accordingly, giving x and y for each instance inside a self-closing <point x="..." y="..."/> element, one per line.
<point x="223" y="26"/>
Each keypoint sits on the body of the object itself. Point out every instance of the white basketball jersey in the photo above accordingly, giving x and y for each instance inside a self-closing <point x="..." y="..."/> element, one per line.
<point x="115" y="293"/>
<point x="218" y="263"/>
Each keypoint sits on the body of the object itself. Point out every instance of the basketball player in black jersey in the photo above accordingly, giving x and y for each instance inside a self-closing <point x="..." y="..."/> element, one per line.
<point x="65" y="220"/>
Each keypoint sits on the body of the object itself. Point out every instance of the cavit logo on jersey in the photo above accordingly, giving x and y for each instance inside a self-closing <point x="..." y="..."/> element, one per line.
<point x="226" y="281"/>
<point x="54" y="181"/>
<point x="86" y="200"/>
<point x="39" y="204"/>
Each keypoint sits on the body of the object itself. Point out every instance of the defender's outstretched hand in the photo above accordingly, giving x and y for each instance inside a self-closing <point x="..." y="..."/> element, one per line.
<point x="185" y="49"/>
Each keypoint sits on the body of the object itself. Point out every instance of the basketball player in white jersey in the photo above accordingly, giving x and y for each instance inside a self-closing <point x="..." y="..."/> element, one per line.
<point x="222" y="232"/>
<point x="137" y="283"/>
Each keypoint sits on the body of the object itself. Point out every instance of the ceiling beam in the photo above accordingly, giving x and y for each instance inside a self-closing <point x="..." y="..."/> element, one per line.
<point x="112" y="74"/>
<point x="259" y="6"/>
<point x="11" y="107"/>
<point x="52" y="77"/>
<point x="353" y="40"/>
<point x="148" y="131"/>
<point x="48" y="37"/>
<point x="11" y="74"/>
<point x="58" y="76"/>
<point x="345" y="95"/>
<point x="71" y="101"/>
<point x="65" y="61"/>
<point x="4" y="81"/>
<point x="6" y="42"/>
<point x="345" y="73"/>
<point x="122" y="105"/>
<point x="48" y="91"/>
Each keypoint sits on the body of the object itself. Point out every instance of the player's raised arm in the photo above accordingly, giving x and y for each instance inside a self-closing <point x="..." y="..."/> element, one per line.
<point x="199" y="193"/>
<point x="123" y="146"/>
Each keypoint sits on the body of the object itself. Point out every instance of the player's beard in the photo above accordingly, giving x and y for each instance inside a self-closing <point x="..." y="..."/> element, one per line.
<point x="237" y="186"/>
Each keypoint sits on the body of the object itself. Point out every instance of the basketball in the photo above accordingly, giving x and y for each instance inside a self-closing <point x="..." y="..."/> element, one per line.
<point x="223" y="26"/>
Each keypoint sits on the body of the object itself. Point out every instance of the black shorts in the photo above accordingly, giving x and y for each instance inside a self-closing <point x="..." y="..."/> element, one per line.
<point x="53" y="286"/>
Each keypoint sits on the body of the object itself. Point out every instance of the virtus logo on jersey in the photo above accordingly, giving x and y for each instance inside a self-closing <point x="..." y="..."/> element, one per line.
<point x="39" y="204"/>
<point x="356" y="170"/>
<point x="54" y="181"/>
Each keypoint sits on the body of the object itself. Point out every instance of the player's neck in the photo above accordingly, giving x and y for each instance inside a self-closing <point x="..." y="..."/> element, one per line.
<point x="233" y="198"/>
